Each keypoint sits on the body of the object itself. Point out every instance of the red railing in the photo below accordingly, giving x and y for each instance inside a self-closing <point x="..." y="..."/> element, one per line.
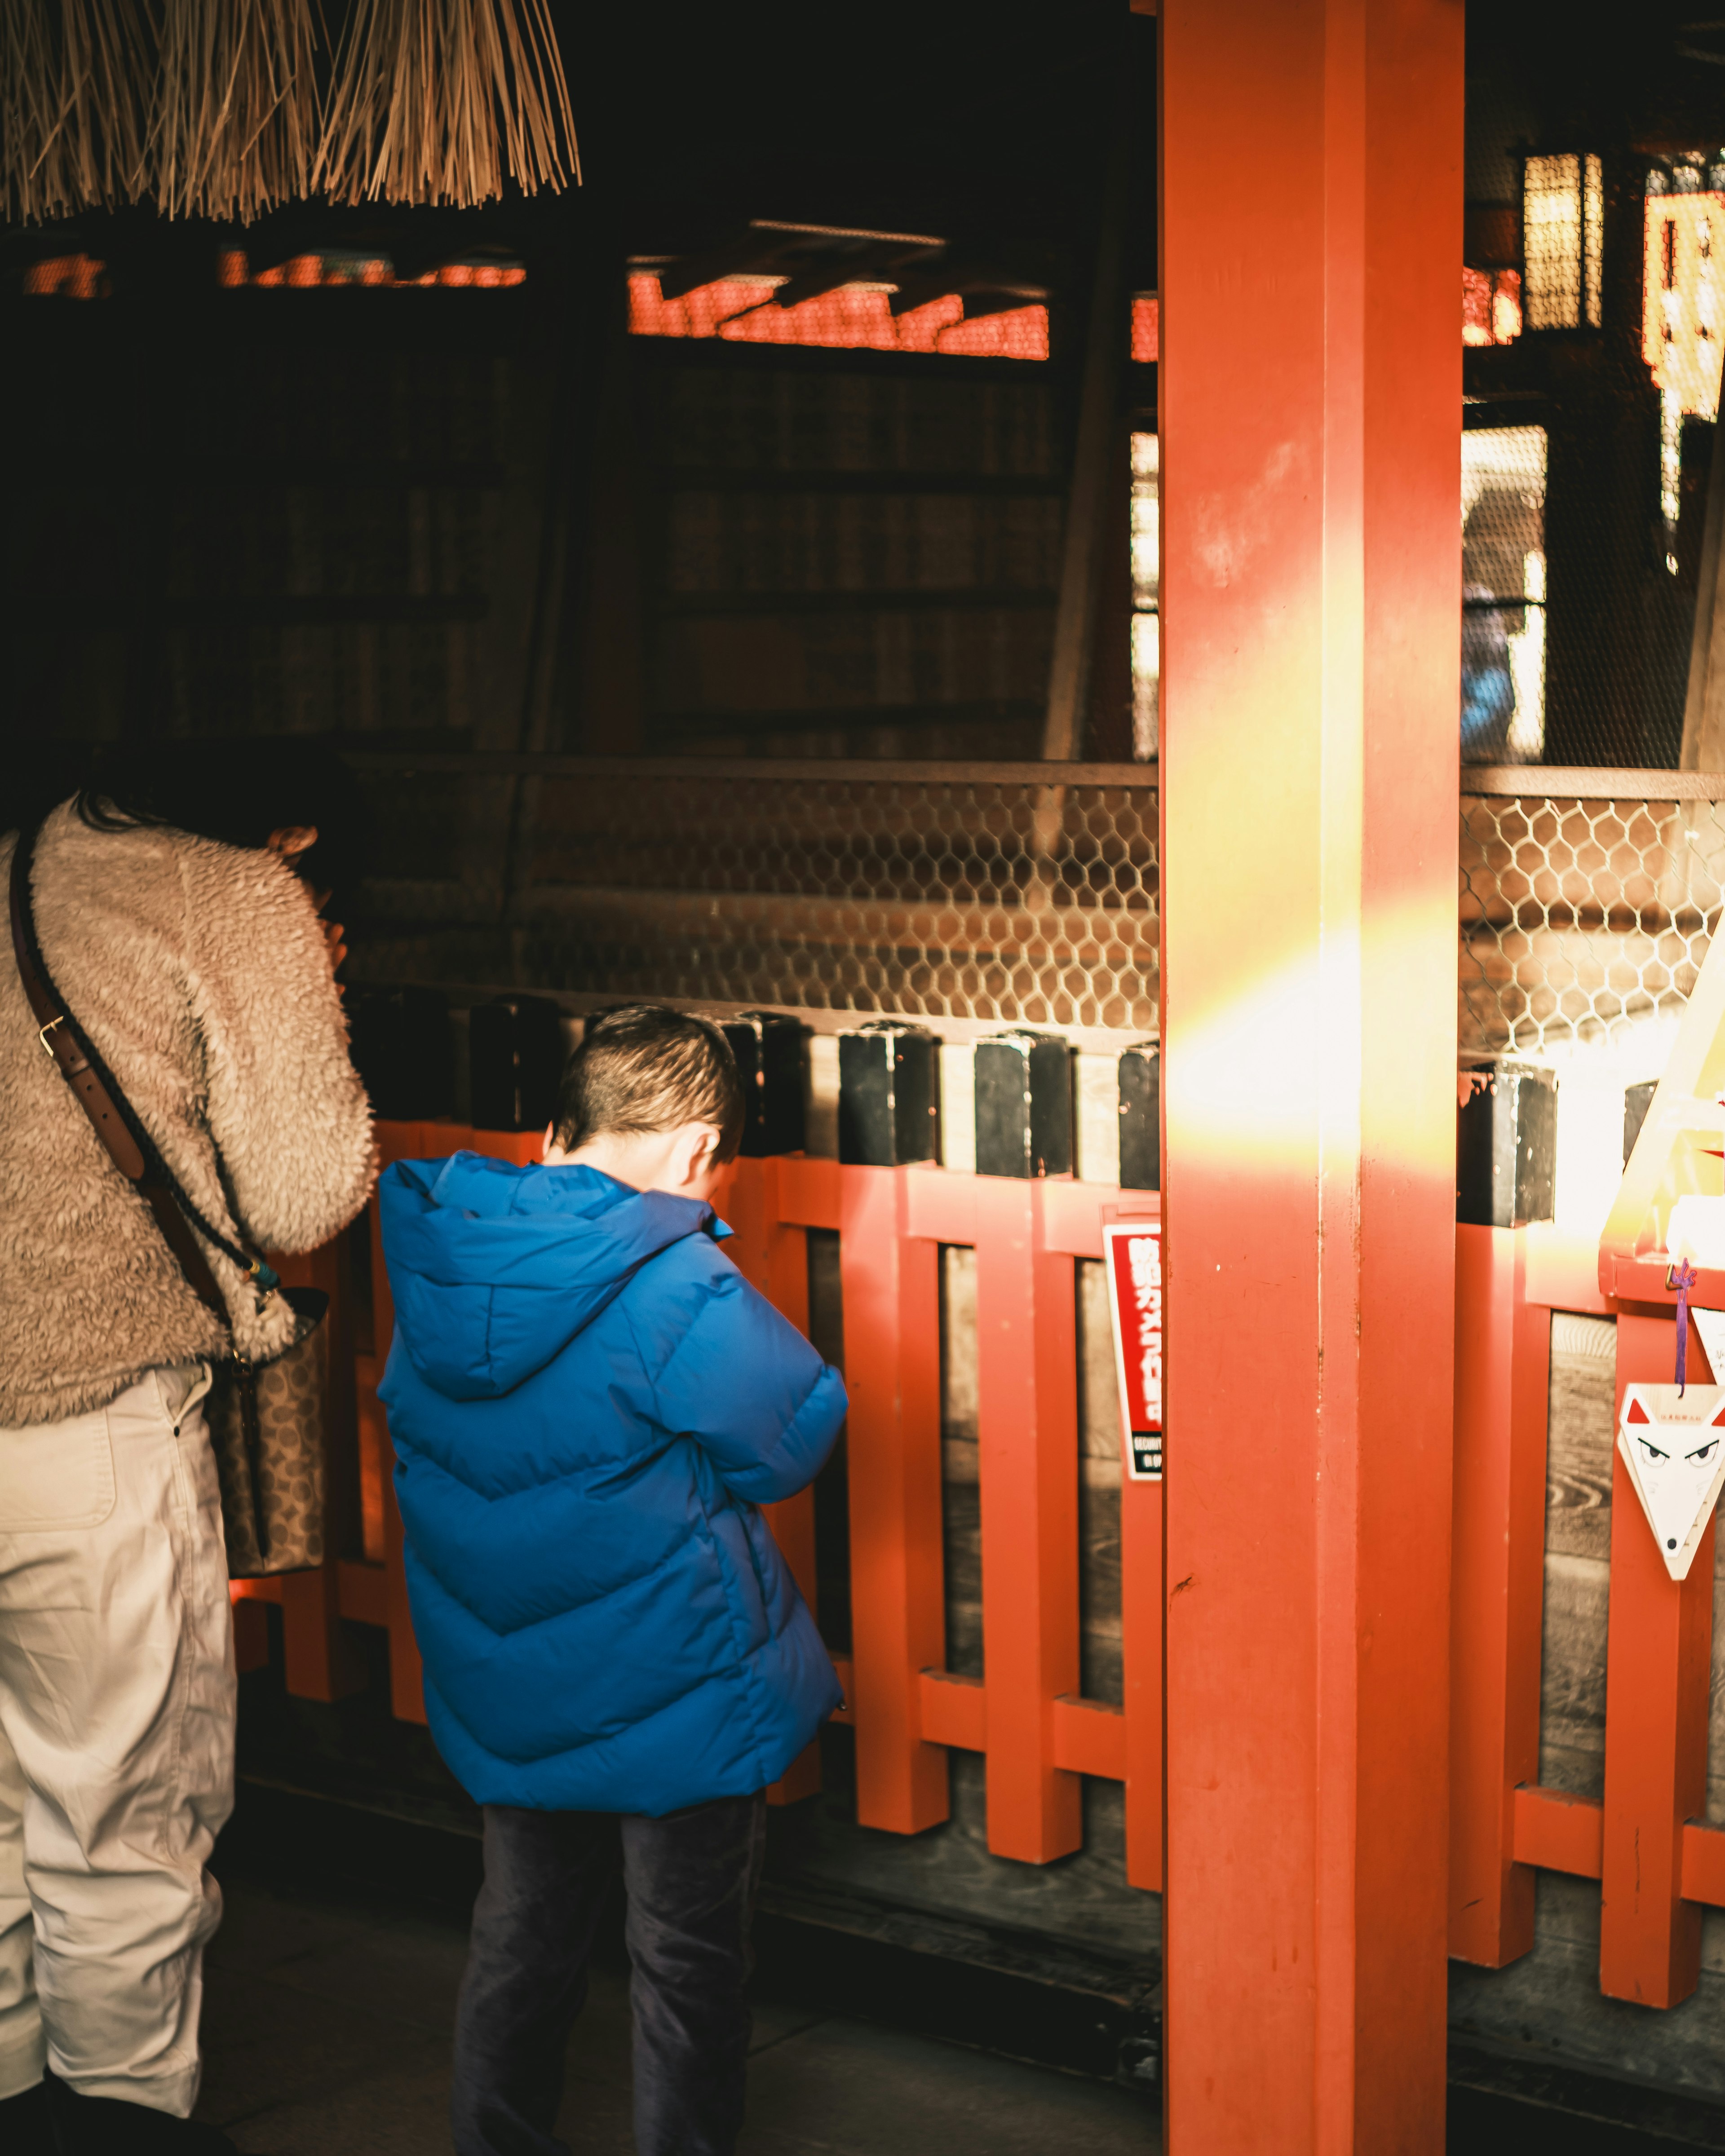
<point x="1658" y="1863"/>
<point x="1027" y="1716"/>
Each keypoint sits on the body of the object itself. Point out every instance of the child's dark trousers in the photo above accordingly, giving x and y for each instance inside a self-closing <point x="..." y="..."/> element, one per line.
<point x="690" y="1880"/>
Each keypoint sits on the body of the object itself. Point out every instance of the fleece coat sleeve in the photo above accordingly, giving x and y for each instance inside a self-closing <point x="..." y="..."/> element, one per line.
<point x="753" y="1393"/>
<point x="286" y="1107"/>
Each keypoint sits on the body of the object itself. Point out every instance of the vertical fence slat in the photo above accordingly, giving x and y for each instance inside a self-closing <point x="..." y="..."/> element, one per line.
<point x="891" y="1290"/>
<point x="774" y="1257"/>
<point x="1027" y="1419"/>
<point x="1658" y="1646"/>
<point x="1502" y="1375"/>
<point x="407" y="1677"/>
<point x="1142" y="1587"/>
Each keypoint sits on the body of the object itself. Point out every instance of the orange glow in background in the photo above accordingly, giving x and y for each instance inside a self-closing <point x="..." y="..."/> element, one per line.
<point x="1491" y="306"/>
<point x="303" y="271"/>
<point x="856" y="317"/>
<point x="68" y="277"/>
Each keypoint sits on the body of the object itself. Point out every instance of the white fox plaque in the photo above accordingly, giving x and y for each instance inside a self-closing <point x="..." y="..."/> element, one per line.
<point x="1673" y="1444"/>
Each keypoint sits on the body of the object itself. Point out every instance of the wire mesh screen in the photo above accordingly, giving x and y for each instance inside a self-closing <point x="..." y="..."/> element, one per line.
<point x="986" y="896"/>
<point x="987" y="892"/>
<point x="1583" y="920"/>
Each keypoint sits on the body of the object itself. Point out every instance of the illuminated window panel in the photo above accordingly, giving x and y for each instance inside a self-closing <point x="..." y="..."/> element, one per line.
<point x="1147" y="327"/>
<point x="1682" y="316"/>
<point x="855" y="317"/>
<point x="1503" y="594"/>
<point x="1146" y="596"/>
<point x="67" y="277"/>
<point x="346" y="267"/>
<point x="1491" y="306"/>
<point x="1563" y="230"/>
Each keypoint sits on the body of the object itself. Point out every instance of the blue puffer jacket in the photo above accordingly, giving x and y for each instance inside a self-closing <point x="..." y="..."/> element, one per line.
<point x="588" y="1402"/>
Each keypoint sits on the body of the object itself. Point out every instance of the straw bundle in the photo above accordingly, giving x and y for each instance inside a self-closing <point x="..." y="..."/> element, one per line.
<point x="433" y="98"/>
<point x="214" y="108"/>
<point x="75" y="77"/>
<point x="236" y="111"/>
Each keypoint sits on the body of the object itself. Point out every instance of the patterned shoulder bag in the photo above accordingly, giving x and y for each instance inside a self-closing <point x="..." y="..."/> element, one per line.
<point x="265" y="1418"/>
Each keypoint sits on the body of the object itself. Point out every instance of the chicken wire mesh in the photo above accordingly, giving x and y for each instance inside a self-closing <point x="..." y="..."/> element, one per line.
<point x="1583" y="919"/>
<point x="990" y="894"/>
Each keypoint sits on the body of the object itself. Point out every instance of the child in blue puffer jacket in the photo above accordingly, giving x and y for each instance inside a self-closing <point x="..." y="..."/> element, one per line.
<point x="588" y="1403"/>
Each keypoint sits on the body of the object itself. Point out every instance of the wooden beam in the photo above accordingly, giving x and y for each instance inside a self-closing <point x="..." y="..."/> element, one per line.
<point x="1096" y="445"/>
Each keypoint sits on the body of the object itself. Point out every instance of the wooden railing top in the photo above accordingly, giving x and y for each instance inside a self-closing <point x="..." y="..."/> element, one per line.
<point x="1555" y="782"/>
<point x="505" y="763"/>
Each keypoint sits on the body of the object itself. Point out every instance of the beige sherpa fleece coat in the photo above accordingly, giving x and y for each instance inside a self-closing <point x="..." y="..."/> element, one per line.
<point x="200" y="973"/>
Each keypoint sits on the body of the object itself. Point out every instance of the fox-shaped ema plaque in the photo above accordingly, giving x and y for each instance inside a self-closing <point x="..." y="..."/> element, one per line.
<point x="1673" y="1444"/>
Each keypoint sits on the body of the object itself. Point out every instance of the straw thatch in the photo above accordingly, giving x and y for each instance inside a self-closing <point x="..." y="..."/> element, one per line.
<point x="434" y="99"/>
<point x="217" y="108"/>
<point x="236" y="109"/>
<point x="74" y="81"/>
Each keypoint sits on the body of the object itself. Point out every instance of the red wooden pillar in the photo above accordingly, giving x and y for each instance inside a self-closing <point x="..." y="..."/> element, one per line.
<point x="1659" y="1645"/>
<point x="1310" y="384"/>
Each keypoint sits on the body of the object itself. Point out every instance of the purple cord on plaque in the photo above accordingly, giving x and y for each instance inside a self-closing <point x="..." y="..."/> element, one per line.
<point x="1684" y="1280"/>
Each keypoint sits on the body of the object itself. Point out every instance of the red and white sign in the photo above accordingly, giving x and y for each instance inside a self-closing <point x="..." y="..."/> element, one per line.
<point x="1134" y="1254"/>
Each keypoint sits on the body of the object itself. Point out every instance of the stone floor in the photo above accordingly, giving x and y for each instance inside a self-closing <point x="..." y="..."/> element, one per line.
<point x="327" y="2015"/>
<point x="327" y="2034"/>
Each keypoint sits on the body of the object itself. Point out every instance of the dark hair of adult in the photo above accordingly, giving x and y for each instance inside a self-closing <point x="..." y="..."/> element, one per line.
<point x="641" y="1068"/>
<point x="237" y="790"/>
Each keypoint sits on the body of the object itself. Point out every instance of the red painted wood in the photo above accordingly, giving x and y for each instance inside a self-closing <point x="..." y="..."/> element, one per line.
<point x="1089" y="1738"/>
<point x="1502" y="1369"/>
<point x="954" y="1710"/>
<point x="1559" y="1832"/>
<point x="1704" y="1864"/>
<point x="364" y="1589"/>
<point x="1563" y="1270"/>
<point x="1027" y="1421"/>
<point x="1311" y="587"/>
<point x="1141" y="1614"/>
<point x="251" y="1635"/>
<point x="891" y="1292"/>
<point x="1658" y="1648"/>
<point x="809" y="1192"/>
<point x="774" y="1257"/>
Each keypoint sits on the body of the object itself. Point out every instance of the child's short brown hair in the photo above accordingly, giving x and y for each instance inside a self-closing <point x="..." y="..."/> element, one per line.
<point x="642" y="1068"/>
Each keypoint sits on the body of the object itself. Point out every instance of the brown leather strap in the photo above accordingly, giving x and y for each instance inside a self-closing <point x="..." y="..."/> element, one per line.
<point x="60" y="1037"/>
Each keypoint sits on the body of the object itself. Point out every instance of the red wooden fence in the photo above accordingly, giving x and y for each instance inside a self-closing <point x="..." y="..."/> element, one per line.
<point x="1026" y="1716"/>
<point x="1657" y="1864"/>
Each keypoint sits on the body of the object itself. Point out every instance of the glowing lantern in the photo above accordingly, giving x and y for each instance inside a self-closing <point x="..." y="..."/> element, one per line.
<point x="1563" y="232"/>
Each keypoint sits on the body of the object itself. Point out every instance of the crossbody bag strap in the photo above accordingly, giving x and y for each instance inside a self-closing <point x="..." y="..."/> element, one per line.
<point x="111" y="1116"/>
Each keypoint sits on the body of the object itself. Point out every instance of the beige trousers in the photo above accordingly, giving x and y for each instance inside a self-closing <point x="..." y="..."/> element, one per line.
<point x="117" y="1742"/>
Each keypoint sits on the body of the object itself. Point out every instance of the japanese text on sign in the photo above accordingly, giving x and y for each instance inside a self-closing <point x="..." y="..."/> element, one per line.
<point x="1135" y="1281"/>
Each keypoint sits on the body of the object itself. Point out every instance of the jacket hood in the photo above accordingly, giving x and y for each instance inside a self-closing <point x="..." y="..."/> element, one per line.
<point x="495" y="1269"/>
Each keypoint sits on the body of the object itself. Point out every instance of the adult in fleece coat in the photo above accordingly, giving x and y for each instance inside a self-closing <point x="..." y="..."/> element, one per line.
<point x="198" y="968"/>
<point x="587" y="1404"/>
